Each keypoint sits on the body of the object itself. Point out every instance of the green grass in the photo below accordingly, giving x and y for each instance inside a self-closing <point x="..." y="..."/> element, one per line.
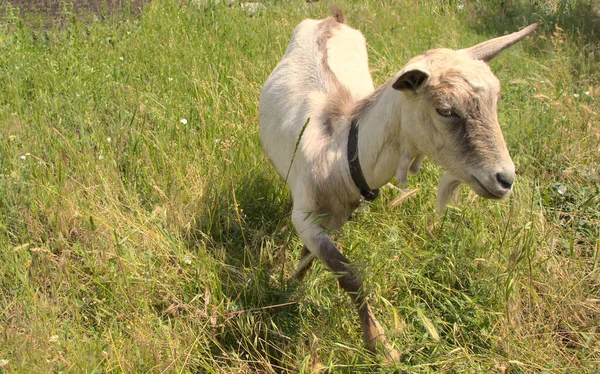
<point x="142" y="228"/>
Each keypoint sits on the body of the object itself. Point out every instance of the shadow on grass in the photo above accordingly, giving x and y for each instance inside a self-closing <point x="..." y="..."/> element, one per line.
<point x="248" y="234"/>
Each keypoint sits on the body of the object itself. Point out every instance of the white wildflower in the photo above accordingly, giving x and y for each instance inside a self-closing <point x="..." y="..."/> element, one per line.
<point x="23" y="157"/>
<point x="53" y="339"/>
<point x="253" y="8"/>
<point x="183" y="120"/>
<point x="576" y="95"/>
<point x="109" y="139"/>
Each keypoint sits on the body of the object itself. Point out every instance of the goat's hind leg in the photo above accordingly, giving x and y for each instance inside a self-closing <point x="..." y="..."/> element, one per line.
<point x="305" y="263"/>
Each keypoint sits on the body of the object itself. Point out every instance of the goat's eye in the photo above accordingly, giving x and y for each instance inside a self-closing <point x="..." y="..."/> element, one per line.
<point x="447" y="113"/>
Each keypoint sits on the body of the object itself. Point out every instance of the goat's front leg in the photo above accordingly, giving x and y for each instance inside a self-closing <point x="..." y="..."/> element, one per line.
<point x="321" y="246"/>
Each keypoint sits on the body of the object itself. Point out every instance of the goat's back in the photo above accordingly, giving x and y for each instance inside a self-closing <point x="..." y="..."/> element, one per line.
<point x="323" y="56"/>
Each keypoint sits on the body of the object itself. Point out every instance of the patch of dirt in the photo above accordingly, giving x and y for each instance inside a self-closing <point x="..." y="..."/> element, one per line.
<point x="55" y="10"/>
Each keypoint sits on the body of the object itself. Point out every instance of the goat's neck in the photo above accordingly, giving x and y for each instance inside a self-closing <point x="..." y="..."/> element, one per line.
<point x="382" y="148"/>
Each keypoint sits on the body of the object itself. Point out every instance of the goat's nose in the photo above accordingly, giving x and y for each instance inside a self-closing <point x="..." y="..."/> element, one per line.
<point x="505" y="179"/>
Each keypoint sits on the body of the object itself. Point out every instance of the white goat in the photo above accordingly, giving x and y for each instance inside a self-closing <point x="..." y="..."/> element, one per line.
<point x="334" y="139"/>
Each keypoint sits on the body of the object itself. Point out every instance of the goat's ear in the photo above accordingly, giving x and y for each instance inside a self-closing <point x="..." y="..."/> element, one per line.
<point x="410" y="80"/>
<point x="489" y="49"/>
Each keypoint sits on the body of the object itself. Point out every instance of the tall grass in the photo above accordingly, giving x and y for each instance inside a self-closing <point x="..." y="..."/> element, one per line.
<point x="142" y="229"/>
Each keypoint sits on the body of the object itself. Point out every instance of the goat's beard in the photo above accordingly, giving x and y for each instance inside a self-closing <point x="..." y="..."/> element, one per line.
<point x="447" y="190"/>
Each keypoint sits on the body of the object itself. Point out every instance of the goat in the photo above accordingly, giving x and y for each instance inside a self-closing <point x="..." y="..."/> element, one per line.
<point x="335" y="139"/>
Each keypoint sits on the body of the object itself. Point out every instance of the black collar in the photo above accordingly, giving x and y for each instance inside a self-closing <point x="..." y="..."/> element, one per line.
<point x="355" y="169"/>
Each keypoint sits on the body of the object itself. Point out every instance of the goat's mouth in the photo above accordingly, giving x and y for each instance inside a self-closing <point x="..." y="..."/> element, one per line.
<point x="485" y="192"/>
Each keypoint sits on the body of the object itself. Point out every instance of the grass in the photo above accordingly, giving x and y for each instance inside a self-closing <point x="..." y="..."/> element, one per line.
<point x="142" y="228"/>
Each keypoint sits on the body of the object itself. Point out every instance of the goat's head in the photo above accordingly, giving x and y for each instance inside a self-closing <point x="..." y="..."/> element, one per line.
<point x="453" y="119"/>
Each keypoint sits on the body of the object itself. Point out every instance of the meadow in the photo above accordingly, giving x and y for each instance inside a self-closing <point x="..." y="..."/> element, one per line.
<point x="143" y="230"/>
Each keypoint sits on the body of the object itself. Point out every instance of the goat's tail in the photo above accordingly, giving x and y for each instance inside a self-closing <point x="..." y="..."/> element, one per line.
<point x="337" y="13"/>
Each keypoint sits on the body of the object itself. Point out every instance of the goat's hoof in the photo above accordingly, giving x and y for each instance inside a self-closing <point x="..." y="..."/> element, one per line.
<point x="391" y="355"/>
<point x="292" y="283"/>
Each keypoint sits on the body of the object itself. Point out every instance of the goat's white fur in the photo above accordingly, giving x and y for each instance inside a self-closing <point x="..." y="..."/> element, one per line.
<point x="324" y="77"/>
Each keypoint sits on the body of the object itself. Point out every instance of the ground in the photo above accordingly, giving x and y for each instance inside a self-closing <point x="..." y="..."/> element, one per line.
<point x="55" y="8"/>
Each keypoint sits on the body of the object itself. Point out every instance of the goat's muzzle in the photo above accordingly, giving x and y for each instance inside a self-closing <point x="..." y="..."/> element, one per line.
<point x="493" y="183"/>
